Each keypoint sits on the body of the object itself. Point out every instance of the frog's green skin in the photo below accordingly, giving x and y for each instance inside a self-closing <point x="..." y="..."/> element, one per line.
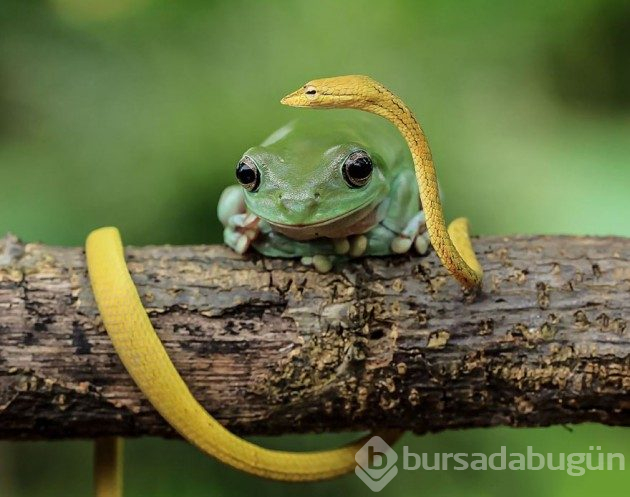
<point x="304" y="207"/>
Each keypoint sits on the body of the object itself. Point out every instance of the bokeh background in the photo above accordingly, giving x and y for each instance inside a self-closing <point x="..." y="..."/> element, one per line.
<point x="133" y="113"/>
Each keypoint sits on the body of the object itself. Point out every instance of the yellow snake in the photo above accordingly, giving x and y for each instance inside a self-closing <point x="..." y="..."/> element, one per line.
<point x="148" y="363"/>
<point x="452" y="245"/>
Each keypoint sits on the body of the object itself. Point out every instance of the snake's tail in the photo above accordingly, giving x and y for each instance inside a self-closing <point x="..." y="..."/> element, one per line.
<point x="459" y="233"/>
<point x="148" y="363"/>
<point x="108" y="456"/>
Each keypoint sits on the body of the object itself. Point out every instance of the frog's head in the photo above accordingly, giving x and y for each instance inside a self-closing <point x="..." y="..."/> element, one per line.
<point x="312" y="186"/>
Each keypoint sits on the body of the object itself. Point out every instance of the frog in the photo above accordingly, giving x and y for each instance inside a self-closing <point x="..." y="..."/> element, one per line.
<point x="324" y="189"/>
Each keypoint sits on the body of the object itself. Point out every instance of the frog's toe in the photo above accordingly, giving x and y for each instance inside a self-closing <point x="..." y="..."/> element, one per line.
<point x="342" y="245"/>
<point x="241" y="230"/>
<point x="358" y="245"/>
<point x="242" y="244"/>
<point x="415" y="225"/>
<point x="321" y="263"/>
<point x="401" y="245"/>
<point x="236" y="240"/>
<point x="245" y="220"/>
<point x="421" y="243"/>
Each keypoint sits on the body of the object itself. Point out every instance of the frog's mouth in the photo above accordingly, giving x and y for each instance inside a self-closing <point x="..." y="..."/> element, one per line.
<point x="355" y="222"/>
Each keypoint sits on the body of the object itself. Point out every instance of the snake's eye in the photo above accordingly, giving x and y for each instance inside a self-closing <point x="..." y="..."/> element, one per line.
<point x="310" y="92"/>
<point x="357" y="169"/>
<point x="247" y="174"/>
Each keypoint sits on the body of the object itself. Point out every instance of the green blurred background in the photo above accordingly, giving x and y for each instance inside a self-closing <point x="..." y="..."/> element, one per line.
<point x="134" y="113"/>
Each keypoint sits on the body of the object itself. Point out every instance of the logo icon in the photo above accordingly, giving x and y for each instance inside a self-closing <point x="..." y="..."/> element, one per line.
<point x="376" y="464"/>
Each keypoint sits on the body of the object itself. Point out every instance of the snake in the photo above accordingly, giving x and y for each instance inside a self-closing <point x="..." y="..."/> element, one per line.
<point x="147" y="362"/>
<point x="452" y="244"/>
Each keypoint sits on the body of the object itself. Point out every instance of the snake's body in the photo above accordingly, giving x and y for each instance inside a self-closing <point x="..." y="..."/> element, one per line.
<point x="452" y="245"/>
<point x="146" y="360"/>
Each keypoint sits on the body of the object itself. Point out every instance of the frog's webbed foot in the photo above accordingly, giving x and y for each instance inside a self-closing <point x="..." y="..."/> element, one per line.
<point x="240" y="226"/>
<point x="321" y="263"/>
<point x="413" y="234"/>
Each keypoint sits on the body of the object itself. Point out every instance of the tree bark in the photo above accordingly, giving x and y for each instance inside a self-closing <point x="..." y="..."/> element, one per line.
<point x="270" y="346"/>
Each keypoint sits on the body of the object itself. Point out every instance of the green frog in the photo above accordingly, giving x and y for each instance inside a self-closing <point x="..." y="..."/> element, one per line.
<point x="323" y="188"/>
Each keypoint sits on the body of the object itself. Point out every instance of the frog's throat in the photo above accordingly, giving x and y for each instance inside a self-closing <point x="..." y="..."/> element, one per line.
<point x="356" y="222"/>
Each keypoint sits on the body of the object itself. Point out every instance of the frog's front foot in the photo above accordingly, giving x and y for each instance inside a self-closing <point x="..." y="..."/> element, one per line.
<point x="241" y="226"/>
<point x="411" y="236"/>
<point x="321" y="263"/>
<point x="241" y="231"/>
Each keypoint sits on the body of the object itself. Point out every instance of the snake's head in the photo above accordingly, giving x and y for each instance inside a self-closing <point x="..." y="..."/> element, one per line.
<point x="337" y="92"/>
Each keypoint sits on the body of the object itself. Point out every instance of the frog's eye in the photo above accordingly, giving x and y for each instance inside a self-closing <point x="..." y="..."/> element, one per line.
<point x="357" y="169"/>
<point x="247" y="174"/>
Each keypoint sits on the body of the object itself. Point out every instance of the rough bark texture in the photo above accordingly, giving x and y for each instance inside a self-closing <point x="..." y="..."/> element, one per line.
<point x="270" y="346"/>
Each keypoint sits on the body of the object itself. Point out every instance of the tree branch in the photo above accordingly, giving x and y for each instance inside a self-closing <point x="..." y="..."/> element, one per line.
<point x="269" y="346"/>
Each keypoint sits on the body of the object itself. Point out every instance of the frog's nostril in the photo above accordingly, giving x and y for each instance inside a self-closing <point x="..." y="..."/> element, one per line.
<point x="316" y="196"/>
<point x="298" y="206"/>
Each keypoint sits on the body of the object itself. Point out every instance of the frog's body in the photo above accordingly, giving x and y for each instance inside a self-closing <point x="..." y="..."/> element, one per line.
<point x="305" y="202"/>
